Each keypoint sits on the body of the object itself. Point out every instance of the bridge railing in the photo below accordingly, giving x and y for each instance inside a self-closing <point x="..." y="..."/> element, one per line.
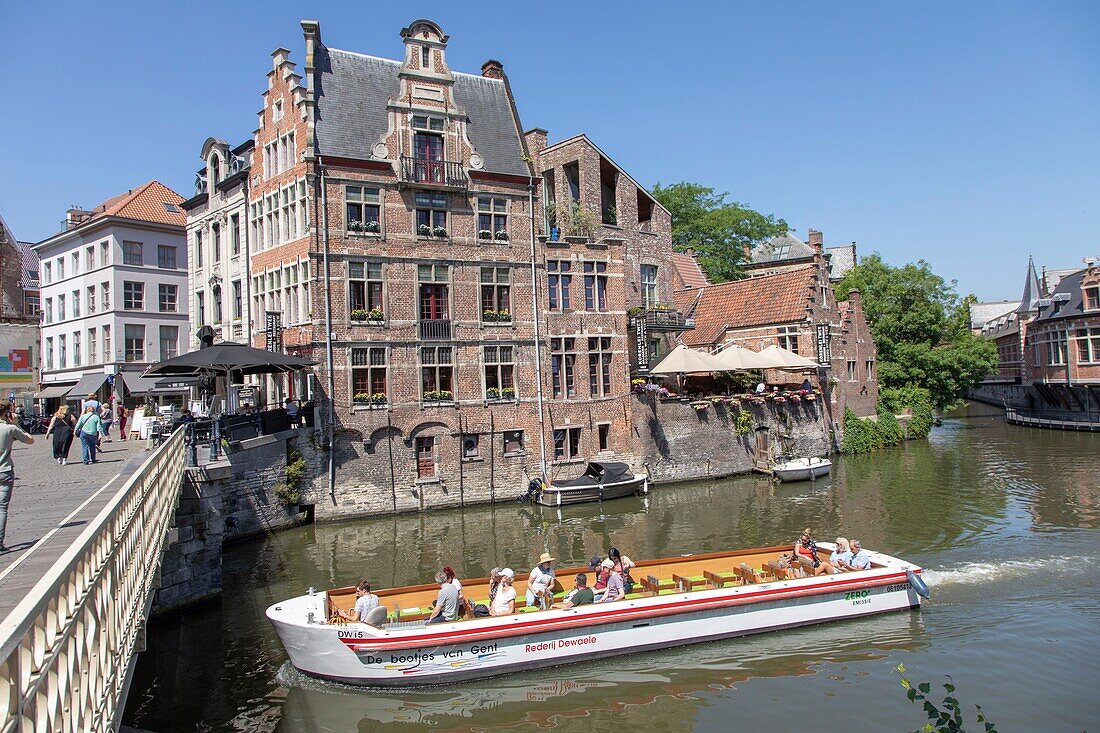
<point x="69" y="647"/>
<point x="1054" y="418"/>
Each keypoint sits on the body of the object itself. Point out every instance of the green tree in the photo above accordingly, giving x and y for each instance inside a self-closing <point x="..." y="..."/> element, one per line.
<point x="718" y="230"/>
<point x="921" y="329"/>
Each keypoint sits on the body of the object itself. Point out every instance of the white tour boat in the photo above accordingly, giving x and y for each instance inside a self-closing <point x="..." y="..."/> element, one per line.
<point x="802" y="469"/>
<point x="678" y="601"/>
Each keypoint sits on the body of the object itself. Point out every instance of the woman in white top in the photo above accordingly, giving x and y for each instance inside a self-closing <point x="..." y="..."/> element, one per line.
<point x="540" y="582"/>
<point x="504" y="601"/>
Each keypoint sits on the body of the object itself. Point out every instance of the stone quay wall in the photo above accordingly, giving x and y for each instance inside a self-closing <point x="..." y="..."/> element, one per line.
<point x="1000" y="395"/>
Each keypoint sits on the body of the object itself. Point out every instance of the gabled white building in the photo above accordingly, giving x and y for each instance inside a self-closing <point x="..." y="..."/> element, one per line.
<point x="113" y="292"/>
<point x="218" y="244"/>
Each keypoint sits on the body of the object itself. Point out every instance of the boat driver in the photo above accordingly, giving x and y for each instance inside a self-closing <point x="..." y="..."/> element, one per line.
<point x="860" y="559"/>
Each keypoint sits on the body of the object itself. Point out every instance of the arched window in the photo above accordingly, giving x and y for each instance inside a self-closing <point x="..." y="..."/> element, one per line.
<point x="215" y="170"/>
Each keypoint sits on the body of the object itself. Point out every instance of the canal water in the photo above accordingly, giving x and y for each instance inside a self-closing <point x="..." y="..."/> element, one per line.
<point x="1006" y="521"/>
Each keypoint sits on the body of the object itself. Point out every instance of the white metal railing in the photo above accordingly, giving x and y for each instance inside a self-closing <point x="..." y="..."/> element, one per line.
<point x="69" y="647"/>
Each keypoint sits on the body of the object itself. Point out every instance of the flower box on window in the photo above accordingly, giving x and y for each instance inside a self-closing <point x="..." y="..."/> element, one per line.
<point x="372" y="227"/>
<point x="359" y="314"/>
<point x="493" y="316"/>
<point x="484" y="234"/>
<point x="375" y="314"/>
<point x="355" y="225"/>
<point x="438" y="395"/>
<point x="366" y="398"/>
<point x="440" y="232"/>
<point x="502" y="236"/>
<point x="424" y="230"/>
<point x="508" y="394"/>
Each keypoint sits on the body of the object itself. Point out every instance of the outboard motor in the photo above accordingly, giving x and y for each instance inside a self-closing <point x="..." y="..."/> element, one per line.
<point x="533" y="490"/>
<point x="918" y="584"/>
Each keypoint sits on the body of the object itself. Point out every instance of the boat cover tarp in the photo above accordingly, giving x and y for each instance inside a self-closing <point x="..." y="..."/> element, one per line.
<point x="597" y="473"/>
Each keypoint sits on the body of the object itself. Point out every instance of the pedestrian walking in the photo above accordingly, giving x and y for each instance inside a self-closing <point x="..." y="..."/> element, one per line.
<point x="9" y="433"/>
<point x="61" y="428"/>
<point x="87" y="429"/>
<point x="123" y="416"/>
<point x="106" y="419"/>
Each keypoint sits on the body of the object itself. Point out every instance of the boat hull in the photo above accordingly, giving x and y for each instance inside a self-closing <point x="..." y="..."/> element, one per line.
<point x="807" y="472"/>
<point x="451" y="652"/>
<point x="555" y="496"/>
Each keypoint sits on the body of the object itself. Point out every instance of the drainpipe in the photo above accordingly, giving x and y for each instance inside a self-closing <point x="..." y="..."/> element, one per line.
<point x="538" y="337"/>
<point x="330" y="429"/>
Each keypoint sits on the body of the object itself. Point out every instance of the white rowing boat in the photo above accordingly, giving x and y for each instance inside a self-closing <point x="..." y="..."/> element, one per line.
<point x="682" y="600"/>
<point x="802" y="469"/>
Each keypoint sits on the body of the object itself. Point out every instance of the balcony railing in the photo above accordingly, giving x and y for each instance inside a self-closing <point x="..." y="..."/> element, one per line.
<point x="664" y="320"/>
<point x="435" y="330"/>
<point x="432" y="173"/>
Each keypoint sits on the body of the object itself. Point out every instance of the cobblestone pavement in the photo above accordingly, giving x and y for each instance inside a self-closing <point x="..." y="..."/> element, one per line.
<point x="52" y="505"/>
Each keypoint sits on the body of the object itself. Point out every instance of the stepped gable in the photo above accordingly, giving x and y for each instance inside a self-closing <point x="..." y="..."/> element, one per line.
<point x="153" y="202"/>
<point x="758" y="301"/>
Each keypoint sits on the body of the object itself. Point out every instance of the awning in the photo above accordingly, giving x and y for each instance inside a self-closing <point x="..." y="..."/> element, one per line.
<point x="57" y="390"/>
<point x="88" y="384"/>
<point x="137" y="384"/>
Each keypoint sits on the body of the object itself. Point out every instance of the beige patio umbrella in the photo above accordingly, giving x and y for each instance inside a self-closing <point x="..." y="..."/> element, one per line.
<point x="738" y="358"/>
<point x="781" y="358"/>
<point x="684" y="360"/>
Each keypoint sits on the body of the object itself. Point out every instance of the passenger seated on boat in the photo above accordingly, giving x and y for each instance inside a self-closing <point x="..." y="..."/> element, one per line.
<point x="626" y="564"/>
<point x="580" y="595"/>
<point x="540" y="582"/>
<point x="860" y="559"/>
<point x="805" y="547"/>
<point x="446" y="603"/>
<point x="615" y="589"/>
<point x="504" y="599"/>
<point x="453" y="580"/>
<point x="365" y="602"/>
<point x="841" y="556"/>
<point x="494" y="584"/>
<point x="603" y="571"/>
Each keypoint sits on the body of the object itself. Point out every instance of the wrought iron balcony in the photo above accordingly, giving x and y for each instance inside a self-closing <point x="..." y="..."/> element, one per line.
<point x="432" y="173"/>
<point x="435" y="330"/>
<point x="665" y="320"/>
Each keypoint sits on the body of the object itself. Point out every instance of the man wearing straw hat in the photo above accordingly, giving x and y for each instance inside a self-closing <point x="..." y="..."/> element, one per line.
<point x="540" y="582"/>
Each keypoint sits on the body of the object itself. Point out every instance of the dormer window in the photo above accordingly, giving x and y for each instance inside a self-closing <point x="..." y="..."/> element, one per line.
<point x="424" y="122"/>
<point x="1091" y="297"/>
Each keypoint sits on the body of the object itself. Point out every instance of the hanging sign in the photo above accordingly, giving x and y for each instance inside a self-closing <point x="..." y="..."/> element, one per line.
<point x="824" y="346"/>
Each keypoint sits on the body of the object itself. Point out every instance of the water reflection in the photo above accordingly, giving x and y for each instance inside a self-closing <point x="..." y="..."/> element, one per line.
<point x="642" y="689"/>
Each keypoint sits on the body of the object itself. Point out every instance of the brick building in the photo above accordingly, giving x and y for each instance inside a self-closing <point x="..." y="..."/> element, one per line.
<point x="1009" y="329"/>
<point x="401" y="200"/>
<point x="794" y="307"/>
<point x="218" y="244"/>
<point x="19" y="319"/>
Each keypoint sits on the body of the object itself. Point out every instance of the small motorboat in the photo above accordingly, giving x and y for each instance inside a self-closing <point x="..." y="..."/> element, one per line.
<point x="802" y="469"/>
<point x="677" y="601"/>
<point x="600" y="482"/>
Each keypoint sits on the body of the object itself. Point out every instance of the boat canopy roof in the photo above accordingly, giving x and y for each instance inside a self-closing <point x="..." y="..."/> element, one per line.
<point x="600" y="473"/>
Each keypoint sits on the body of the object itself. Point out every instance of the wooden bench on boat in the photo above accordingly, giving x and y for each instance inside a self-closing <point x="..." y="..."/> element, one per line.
<point x="690" y="573"/>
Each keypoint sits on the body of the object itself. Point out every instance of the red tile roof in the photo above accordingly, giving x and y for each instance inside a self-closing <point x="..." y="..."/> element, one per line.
<point x="145" y="203"/>
<point x="689" y="270"/>
<point x="779" y="298"/>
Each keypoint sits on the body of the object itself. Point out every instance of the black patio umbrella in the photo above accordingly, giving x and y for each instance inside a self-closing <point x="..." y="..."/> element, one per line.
<point x="228" y="357"/>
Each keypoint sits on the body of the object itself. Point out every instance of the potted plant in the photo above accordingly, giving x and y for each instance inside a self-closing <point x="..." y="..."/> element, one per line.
<point x="489" y="315"/>
<point x="361" y="398"/>
<point x="502" y="235"/>
<point x="700" y="405"/>
<point x="484" y="234"/>
<point x="378" y="398"/>
<point x="438" y="395"/>
<point x="440" y="232"/>
<point x="508" y="393"/>
<point x="424" y="230"/>
<point x="492" y="393"/>
<point x="355" y="225"/>
<point x="373" y="227"/>
<point x="359" y="314"/>
<point x="504" y="317"/>
<point x="375" y="314"/>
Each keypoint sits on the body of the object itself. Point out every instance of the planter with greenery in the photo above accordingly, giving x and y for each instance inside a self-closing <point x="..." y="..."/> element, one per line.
<point x="372" y="227"/>
<point x="492" y="316"/>
<point x="376" y="314"/>
<point x="359" y="314"/>
<point x="484" y="234"/>
<point x="501" y="235"/>
<point x="439" y="232"/>
<point x="438" y="395"/>
<point x="424" y="230"/>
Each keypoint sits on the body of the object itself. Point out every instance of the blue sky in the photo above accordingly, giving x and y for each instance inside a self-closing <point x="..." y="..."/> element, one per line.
<point x="967" y="134"/>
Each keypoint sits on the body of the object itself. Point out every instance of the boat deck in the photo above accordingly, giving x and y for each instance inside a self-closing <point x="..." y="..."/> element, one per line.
<point x="651" y="577"/>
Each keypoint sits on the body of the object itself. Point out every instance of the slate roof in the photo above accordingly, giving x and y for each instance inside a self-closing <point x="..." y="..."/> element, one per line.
<point x="1029" y="301"/>
<point x="784" y="247"/>
<point x="983" y="313"/>
<point x="151" y="202"/>
<point x="756" y="301"/>
<point x="689" y="270"/>
<point x="28" y="279"/>
<point x="1051" y="278"/>
<point x="1061" y="307"/>
<point x="841" y="260"/>
<point x="354" y="89"/>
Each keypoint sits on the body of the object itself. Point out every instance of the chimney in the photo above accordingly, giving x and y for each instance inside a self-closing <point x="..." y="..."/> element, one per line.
<point x="536" y="140"/>
<point x="815" y="240"/>
<point x="75" y="216"/>
<point x="493" y="69"/>
<point x="854" y="301"/>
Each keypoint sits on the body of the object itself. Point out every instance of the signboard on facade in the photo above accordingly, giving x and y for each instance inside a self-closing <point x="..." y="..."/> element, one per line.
<point x="274" y="332"/>
<point x="642" y="344"/>
<point x="824" y="346"/>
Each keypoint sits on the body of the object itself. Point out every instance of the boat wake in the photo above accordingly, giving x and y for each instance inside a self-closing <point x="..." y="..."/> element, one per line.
<point x="971" y="573"/>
